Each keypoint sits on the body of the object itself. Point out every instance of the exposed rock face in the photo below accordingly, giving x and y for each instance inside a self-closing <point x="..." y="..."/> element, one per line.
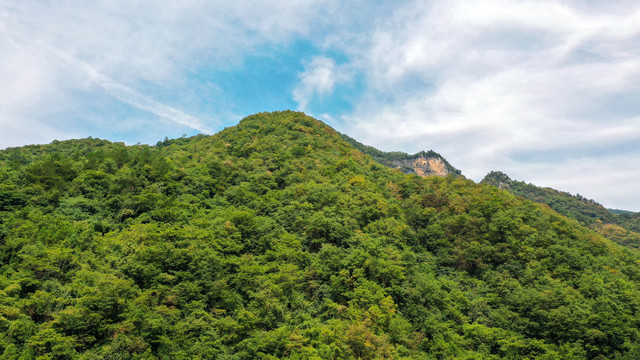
<point x="423" y="165"/>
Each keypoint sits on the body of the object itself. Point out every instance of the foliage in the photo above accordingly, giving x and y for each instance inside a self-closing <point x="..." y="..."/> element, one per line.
<point x="276" y="239"/>
<point x="620" y="226"/>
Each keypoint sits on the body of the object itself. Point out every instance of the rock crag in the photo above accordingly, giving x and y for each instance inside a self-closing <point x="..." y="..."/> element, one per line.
<point x="423" y="165"/>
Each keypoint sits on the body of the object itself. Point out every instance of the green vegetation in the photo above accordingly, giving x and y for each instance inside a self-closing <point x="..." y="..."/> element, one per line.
<point x="276" y="239"/>
<point x="620" y="226"/>
<point x="618" y="211"/>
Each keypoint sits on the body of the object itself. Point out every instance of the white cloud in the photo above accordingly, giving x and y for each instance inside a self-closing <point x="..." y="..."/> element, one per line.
<point x="491" y="85"/>
<point x="319" y="78"/>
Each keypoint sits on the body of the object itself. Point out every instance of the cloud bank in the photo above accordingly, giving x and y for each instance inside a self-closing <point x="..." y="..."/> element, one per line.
<point x="546" y="91"/>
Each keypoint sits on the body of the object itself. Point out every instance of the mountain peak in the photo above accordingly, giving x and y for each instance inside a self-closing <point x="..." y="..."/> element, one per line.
<point x="497" y="179"/>
<point x="304" y="133"/>
<point x="286" y="118"/>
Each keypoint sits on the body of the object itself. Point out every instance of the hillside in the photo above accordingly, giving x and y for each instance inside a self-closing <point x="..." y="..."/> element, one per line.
<point x="424" y="163"/>
<point x="622" y="227"/>
<point x="277" y="239"/>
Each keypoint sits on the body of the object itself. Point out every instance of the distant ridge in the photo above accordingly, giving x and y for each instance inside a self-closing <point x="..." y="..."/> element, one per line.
<point x="618" y="225"/>
<point x="618" y="211"/>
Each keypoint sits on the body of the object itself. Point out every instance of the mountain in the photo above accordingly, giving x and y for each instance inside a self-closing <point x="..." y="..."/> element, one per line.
<point x="422" y="164"/>
<point x="277" y="239"/>
<point x="620" y="226"/>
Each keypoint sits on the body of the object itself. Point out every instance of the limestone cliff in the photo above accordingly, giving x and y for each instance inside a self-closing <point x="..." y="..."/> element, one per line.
<point x="423" y="165"/>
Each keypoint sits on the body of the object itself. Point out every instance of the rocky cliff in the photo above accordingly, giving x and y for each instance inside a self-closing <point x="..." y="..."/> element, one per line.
<point x="422" y="164"/>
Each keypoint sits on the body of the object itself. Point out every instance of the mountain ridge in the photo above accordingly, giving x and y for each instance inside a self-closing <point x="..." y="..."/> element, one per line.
<point x="622" y="226"/>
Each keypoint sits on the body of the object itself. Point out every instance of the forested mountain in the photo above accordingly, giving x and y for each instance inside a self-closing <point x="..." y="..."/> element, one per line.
<point x="277" y="239"/>
<point x="620" y="226"/>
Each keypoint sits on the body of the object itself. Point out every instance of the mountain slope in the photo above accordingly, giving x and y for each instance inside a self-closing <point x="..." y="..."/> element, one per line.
<point x="424" y="163"/>
<point x="622" y="228"/>
<point x="278" y="239"/>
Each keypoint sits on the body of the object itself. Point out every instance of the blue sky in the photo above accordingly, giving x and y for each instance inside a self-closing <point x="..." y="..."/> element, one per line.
<point x="546" y="91"/>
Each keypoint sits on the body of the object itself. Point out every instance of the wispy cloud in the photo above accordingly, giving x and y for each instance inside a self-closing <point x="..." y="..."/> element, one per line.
<point x="132" y="97"/>
<point x="123" y="92"/>
<point x="58" y="55"/>
<point x="319" y="78"/>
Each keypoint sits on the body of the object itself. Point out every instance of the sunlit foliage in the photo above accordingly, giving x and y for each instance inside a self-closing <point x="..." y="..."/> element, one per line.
<point x="276" y="239"/>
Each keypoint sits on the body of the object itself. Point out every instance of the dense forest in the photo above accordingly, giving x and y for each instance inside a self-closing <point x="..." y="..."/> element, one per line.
<point x="620" y="226"/>
<point x="277" y="239"/>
